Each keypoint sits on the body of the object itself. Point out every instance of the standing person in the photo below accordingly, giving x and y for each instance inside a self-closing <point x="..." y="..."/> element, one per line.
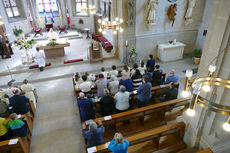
<point x="4" y="133"/>
<point x="126" y="71"/>
<point x="170" y="94"/>
<point x="19" y="103"/>
<point x="40" y="59"/>
<point x="135" y="67"/>
<point x="104" y="73"/>
<point x="157" y="76"/>
<point x="114" y="71"/>
<point x="94" y="134"/>
<point x="30" y="91"/>
<point x="142" y="68"/>
<point x="172" y="77"/>
<point x="137" y="79"/>
<point x="151" y="63"/>
<point x="118" y="144"/>
<point x="122" y="100"/>
<point x="127" y="82"/>
<point x="9" y="90"/>
<point x="85" y="86"/>
<point x="113" y="85"/>
<point x="144" y="93"/>
<point x="86" y="107"/>
<point x="101" y="85"/>
<point x="107" y="104"/>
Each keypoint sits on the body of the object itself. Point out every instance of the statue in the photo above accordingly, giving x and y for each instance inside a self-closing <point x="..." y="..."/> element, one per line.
<point x="151" y="12"/>
<point x="172" y="13"/>
<point x="188" y="15"/>
<point x="130" y="8"/>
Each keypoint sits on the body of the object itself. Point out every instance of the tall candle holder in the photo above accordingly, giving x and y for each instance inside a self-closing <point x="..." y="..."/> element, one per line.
<point x="126" y="56"/>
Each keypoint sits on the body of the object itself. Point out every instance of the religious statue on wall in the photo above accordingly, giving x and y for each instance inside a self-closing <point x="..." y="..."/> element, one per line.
<point x="130" y="8"/>
<point x="151" y="12"/>
<point x="172" y="13"/>
<point x="188" y="15"/>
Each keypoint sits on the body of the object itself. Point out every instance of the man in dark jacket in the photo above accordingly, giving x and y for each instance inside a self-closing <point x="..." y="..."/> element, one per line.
<point x="86" y="107"/>
<point x="157" y="76"/>
<point x="94" y="134"/>
<point x="19" y="103"/>
<point x="107" y="104"/>
<point x="151" y="63"/>
<point x="170" y="94"/>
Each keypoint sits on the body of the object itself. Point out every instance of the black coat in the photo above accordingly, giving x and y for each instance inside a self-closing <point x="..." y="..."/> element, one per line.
<point x="107" y="104"/>
<point x="157" y="78"/>
<point x="171" y="94"/>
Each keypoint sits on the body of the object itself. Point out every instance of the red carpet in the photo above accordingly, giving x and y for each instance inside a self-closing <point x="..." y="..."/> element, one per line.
<point x="72" y="61"/>
<point x="36" y="66"/>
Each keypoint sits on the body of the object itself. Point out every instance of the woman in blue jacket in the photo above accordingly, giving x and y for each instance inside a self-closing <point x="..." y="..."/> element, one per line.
<point x="119" y="144"/>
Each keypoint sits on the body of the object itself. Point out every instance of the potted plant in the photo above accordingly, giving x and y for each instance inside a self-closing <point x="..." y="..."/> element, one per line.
<point x="17" y="31"/>
<point x="132" y="52"/>
<point x="197" y="54"/>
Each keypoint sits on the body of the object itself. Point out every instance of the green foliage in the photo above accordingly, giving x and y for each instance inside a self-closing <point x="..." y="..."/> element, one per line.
<point x="52" y="43"/>
<point x="132" y="52"/>
<point x="24" y="44"/>
<point x="17" y="31"/>
<point x="197" y="53"/>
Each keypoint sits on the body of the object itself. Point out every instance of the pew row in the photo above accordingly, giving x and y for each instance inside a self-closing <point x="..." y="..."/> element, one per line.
<point x="160" y="108"/>
<point x="155" y="135"/>
<point x="22" y="145"/>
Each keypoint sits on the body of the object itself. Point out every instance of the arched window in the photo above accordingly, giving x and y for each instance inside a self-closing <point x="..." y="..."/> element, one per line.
<point x="47" y="6"/>
<point x="11" y="8"/>
<point x="81" y="4"/>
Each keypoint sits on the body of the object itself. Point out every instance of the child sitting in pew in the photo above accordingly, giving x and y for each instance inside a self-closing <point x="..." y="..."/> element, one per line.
<point x="4" y="132"/>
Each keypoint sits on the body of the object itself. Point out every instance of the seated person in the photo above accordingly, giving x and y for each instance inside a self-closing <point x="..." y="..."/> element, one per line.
<point x="144" y="93"/>
<point x="114" y="71"/>
<point x="104" y="73"/>
<point x="125" y="81"/>
<point x="4" y="133"/>
<point x="126" y="71"/>
<point x="170" y="94"/>
<point x="157" y="76"/>
<point x="118" y="144"/>
<point x="122" y="100"/>
<point x="86" y="106"/>
<point x="9" y="90"/>
<point x="94" y="134"/>
<point x="85" y="86"/>
<point x="113" y="85"/>
<point x="101" y="84"/>
<point x="4" y="108"/>
<point x="16" y="126"/>
<point x="135" y="67"/>
<point x="142" y="68"/>
<point x="136" y="79"/>
<point x="19" y="103"/>
<point x="107" y="104"/>
<point x="172" y="77"/>
<point x="77" y="78"/>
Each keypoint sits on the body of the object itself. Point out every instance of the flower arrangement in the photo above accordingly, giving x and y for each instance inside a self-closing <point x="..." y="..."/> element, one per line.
<point x="132" y="52"/>
<point x="17" y="31"/>
<point x="24" y="44"/>
<point x="52" y="43"/>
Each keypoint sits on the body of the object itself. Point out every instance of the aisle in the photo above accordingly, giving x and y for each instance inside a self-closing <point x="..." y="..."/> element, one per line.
<point x="57" y="128"/>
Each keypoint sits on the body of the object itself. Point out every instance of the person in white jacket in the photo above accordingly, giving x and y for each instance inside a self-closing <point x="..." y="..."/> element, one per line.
<point x="40" y="59"/>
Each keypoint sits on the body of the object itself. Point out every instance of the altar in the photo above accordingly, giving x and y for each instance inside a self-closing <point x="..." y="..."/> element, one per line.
<point x="170" y="52"/>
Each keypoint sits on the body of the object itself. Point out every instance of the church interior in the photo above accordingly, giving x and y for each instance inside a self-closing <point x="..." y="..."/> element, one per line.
<point x="95" y="76"/>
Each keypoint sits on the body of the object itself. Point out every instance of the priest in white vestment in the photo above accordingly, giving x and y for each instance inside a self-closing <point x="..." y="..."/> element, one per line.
<point x="51" y="35"/>
<point x="40" y="59"/>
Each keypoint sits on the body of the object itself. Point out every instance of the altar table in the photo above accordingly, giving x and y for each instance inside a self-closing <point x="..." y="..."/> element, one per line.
<point x="55" y="51"/>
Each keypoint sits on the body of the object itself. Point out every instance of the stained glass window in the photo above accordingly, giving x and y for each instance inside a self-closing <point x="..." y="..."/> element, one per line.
<point x="79" y="5"/>
<point x="11" y="8"/>
<point x="46" y="6"/>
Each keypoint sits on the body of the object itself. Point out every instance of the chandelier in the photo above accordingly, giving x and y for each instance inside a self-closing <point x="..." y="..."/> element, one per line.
<point x="115" y="25"/>
<point x="194" y="88"/>
<point x="90" y="9"/>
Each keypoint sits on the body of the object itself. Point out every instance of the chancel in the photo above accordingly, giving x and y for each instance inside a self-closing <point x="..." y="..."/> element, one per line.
<point x="121" y="76"/>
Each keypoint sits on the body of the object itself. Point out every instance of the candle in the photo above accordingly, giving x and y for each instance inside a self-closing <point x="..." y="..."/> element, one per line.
<point x="126" y="43"/>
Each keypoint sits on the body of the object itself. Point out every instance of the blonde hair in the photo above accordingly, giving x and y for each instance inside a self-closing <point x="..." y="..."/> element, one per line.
<point x="119" y="138"/>
<point x="13" y="116"/>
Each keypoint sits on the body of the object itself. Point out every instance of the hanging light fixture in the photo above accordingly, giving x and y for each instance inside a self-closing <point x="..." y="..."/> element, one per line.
<point x="205" y="84"/>
<point x="115" y="25"/>
<point x="91" y="9"/>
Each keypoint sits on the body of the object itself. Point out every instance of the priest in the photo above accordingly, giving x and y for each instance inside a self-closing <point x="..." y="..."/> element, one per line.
<point x="40" y="59"/>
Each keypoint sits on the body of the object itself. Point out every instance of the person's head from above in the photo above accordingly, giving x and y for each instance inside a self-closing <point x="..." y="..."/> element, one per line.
<point x="106" y="92"/>
<point x="126" y="68"/>
<point x="114" y="67"/>
<point x="13" y="116"/>
<point x="101" y="76"/>
<point x="135" y="66"/>
<point x="125" y="77"/>
<point x="150" y="56"/>
<point x="113" y="78"/>
<point x="92" y="126"/>
<point x="102" y="69"/>
<point x="138" y="73"/>
<point x="157" y="67"/>
<point x="16" y="92"/>
<point x="172" y="72"/>
<point x="146" y="79"/>
<point x="37" y="49"/>
<point x="25" y="81"/>
<point x="86" y="73"/>
<point x="118" y="138"/>
<point x="77" y="75"/>
<point x="81" y="95"/>
<point x="7" y="41"/>
<point x="142" y="63"/>
<point x="51" y="30"/>
<point x="84" y="78"/>
<point x="122" y="88"/>
<point x="10" y="84"/>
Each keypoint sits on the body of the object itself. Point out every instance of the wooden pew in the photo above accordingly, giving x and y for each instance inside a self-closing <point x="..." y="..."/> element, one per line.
<point x="160" y="108"/>
<point x="154" y="134"/>
<point x="207" y="150"/>
<point x="195" y="150"/>
<point x="21" y="146"/>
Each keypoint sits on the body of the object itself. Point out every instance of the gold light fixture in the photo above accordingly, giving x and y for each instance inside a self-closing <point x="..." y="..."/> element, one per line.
<point x="90" y="9"/>
<point x="205" y="85"/>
